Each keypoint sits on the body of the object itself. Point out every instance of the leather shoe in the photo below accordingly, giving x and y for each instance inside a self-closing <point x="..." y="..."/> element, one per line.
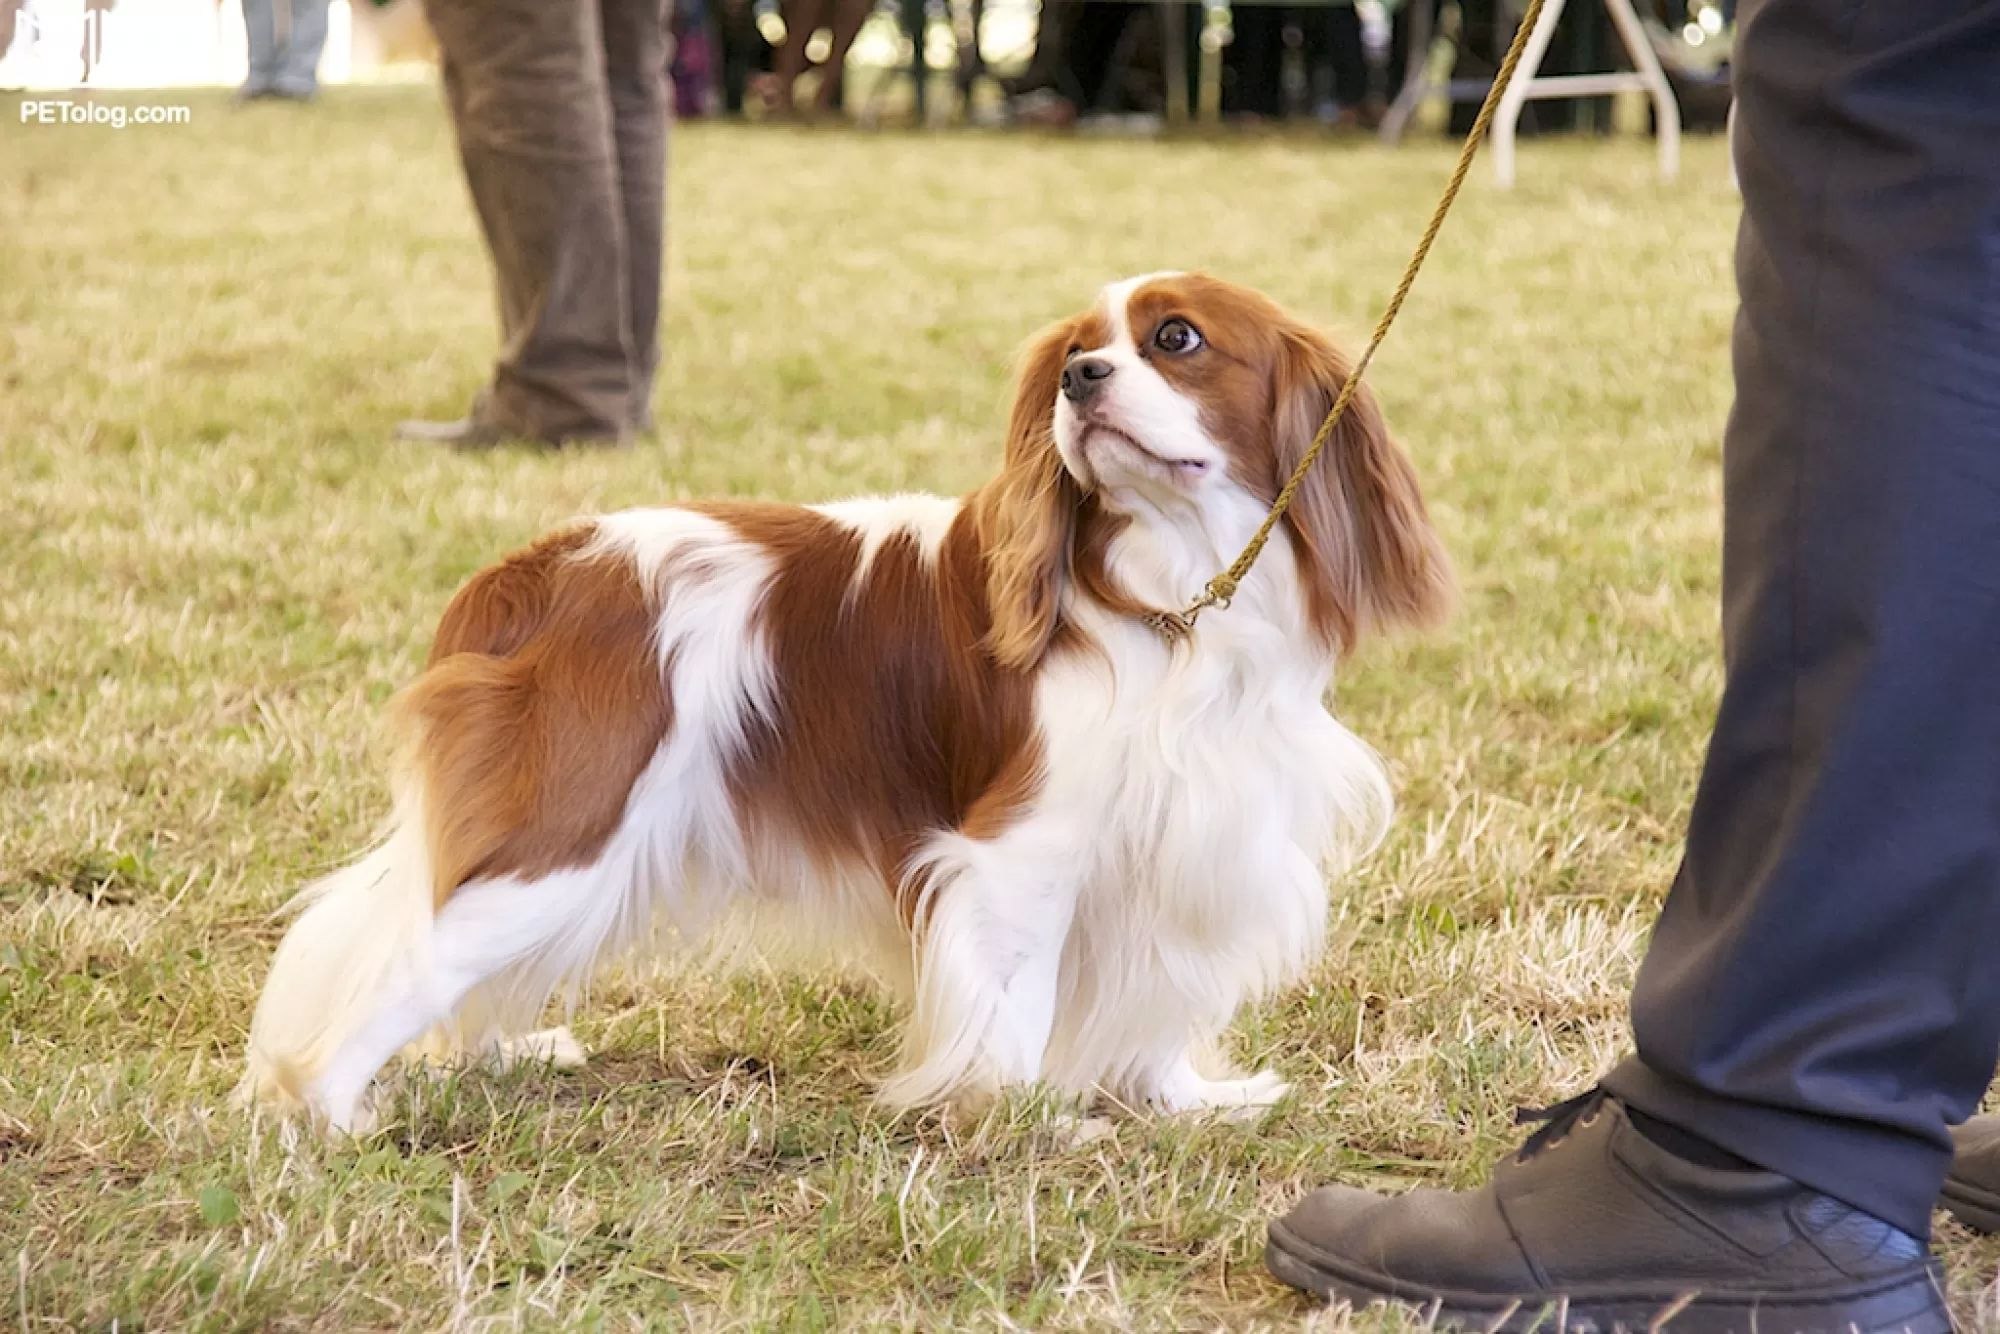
<point x="1594" y="1227"/>
<point x="472" y="433"/>
<point x="1972" y="1188"/>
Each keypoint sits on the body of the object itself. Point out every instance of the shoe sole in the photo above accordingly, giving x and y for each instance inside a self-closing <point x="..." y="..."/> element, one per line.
<point x="1910" y="1300"/>
<point x="1976" y="1208"/>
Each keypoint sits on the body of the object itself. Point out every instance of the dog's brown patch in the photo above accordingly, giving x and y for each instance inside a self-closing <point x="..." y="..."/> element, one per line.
<point x="543" y="702"/>
<point x="894" y="719"/>
<point x="1025" y="521"/>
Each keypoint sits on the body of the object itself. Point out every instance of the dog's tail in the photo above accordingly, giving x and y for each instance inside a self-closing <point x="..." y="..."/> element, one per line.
<point x="358" y="932"/>
<point x="364" y="932"/>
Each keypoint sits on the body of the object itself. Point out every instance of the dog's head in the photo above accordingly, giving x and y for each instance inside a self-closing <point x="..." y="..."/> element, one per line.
<point x="1181" y="402"/>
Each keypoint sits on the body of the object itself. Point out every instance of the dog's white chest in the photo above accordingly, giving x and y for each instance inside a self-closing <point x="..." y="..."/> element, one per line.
<point x="1204" y="803"/>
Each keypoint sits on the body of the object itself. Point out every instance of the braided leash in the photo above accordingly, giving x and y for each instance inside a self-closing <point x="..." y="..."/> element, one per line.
<point x="1177" y="625"/>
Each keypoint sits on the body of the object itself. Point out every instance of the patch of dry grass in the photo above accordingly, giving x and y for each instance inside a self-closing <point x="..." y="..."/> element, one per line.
<point x="215" y="565"/>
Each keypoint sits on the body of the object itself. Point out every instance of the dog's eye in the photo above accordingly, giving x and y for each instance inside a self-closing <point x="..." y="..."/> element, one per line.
<point x="1073" y="351"/>
<point x="1177" y="337"/>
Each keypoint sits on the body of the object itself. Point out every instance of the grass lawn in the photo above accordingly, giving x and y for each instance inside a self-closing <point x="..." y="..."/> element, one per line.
<point x="216" y="565"/>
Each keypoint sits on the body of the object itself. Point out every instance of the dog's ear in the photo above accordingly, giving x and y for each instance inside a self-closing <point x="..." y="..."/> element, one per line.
<point x="1372" y="562"/>
<point x="1027" y="515"/>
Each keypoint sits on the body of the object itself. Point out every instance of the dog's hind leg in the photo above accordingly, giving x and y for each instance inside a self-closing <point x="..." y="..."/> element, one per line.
<point x="513" y="942"/>
<point x="477" y="1034"/>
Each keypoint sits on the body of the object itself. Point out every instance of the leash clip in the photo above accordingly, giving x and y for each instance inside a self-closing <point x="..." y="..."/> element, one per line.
<point x="1175" y="626"/>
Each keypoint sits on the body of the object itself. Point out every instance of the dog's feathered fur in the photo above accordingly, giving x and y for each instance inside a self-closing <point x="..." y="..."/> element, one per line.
<point x="940" y="726"/>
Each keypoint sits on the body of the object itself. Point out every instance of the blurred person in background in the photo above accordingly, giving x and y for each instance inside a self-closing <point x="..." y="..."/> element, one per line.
<point x="692" y="69"/>
<point x="1351" y="96"/>
<point x="560" y="107"/>
<point x="744" y="51"/>
<point x="1335" y="77"/>
<point x="1253" y="87"/>
<point x="285" y="38"/>
<point x="842" y="19"/>
<point x="1070" y="74"/>
<point x="1102" y="57"/>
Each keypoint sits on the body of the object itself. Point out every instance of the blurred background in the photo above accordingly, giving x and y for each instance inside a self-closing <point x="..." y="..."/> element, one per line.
<point x="1129" y="66"/>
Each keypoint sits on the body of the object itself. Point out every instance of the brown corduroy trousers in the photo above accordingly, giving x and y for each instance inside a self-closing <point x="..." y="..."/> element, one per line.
<point x="561" y="112"/>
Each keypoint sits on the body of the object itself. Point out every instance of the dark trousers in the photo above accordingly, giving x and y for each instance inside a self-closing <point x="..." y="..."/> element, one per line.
<point x="1255" y="60"/>
<point x="1822" y="994"/>
<point x="561" y="112"/>
<point x="1086" y="49"/>
<point x="1339" y="36"/>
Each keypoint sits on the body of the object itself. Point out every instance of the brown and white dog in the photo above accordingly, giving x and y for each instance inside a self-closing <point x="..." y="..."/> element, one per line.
<point x="937" y="727"/>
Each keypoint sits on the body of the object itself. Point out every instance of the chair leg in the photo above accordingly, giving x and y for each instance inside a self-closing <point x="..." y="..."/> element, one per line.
<point x="1507" y="116"/>
<point x="1666" y="107"/>
<point x="967" y="20"/>
<point x="1649" y="75"/>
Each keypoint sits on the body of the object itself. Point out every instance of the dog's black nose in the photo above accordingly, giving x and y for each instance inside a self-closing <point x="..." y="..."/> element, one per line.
<point x="1082" y="378"/>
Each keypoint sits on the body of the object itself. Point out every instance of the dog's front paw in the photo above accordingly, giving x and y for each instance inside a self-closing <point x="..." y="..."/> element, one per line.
<point x="556" y="1048"/>
<point x="1239" y="1099"/>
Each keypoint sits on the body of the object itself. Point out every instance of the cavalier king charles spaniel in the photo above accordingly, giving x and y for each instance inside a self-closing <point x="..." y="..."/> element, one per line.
<point x="941" y="729"/>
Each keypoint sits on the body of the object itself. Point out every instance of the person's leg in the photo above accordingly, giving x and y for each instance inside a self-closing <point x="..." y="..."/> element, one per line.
<point x="849" y="16"/>
<point x="1257" y="59"/>
<point x="260" y="27"/>
<point x="525" y="82"/>
<point x="305" y="38"/>
<point x="691" y="68"/>
<point x="1817" y="1002"/>
<point x="635" y="60"/>
<point x="1091" y="42"/>
<point x="1397" y="68"/>
<point x="1046" y="63"/>
<point x="737" y="36"/>
<point x="803" y="18"/>
<point x="1348" y="56"/>
<point x="1818" y="997"/>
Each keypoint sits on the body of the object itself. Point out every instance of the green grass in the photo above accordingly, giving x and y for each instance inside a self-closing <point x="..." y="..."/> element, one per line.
<point x="215" y="566"/>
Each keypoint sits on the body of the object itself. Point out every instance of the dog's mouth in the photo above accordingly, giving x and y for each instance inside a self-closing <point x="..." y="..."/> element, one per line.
<point x="1178" y="467"/>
